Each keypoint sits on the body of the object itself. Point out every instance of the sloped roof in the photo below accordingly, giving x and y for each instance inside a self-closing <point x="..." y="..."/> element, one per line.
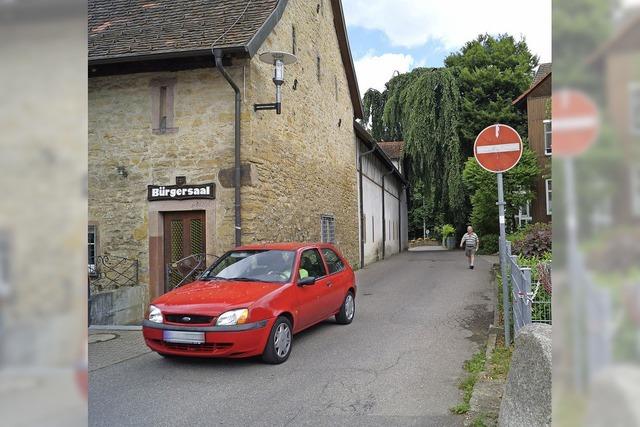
<point x="121" y="28"/>
<point x="393" y="149"/>
<point x="138" y="30"/>
<point x="541" y="73"/>
<point x="367" y="139"/>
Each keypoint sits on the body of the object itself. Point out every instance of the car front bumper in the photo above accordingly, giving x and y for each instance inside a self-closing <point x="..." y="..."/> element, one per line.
<point x="244" y="340"/>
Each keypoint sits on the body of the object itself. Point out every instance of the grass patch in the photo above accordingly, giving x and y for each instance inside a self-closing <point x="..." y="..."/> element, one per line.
<point x="473" y="367"/>
<point x="500" y="361"/>
<point x="479" y="421"/>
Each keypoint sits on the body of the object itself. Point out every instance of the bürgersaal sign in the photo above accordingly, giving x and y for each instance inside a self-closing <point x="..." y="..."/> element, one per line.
<point x="181" y="192"/>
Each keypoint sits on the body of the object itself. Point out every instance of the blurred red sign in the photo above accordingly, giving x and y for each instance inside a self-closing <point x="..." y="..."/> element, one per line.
<point x="575" y="122"/>
<point x="498" y="148"/>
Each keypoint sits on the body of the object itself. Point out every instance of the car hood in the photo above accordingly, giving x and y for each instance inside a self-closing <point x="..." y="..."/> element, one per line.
<point x="213" y="297"/>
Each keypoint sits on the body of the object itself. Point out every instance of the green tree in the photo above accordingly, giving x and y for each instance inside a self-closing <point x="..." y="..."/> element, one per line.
<point x="491" y="72"/>
<point x="483" y="188"/>
<point x="373" y="105"/>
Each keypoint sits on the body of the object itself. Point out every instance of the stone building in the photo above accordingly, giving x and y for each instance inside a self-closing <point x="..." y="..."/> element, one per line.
<point x="162" y="138"/>
<point x="536" y="101"/>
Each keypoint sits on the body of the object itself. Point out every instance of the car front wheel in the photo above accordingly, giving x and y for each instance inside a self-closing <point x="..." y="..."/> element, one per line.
<point x="278" y="346"/>
<point x="347" y="311"/>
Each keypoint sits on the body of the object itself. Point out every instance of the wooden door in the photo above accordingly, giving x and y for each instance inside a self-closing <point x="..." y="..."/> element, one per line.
<point x="184" y="235"/>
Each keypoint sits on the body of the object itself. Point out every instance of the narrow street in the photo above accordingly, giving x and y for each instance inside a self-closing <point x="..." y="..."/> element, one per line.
<point x="419" y="316"/>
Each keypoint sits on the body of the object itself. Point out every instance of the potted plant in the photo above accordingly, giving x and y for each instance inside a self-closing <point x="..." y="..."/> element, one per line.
<point x="448" y="236"/>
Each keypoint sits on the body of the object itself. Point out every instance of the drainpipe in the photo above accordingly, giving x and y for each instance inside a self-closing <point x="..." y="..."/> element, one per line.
<point x="384" y="217"/>
<point x="217" y="53"/>
<point x="402" y="189"/>
<point x="360" y="156"/>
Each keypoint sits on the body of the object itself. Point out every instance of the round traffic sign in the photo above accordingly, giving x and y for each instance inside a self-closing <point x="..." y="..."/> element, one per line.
<point x="575" y="122"/>
<point x="498" y="148"/>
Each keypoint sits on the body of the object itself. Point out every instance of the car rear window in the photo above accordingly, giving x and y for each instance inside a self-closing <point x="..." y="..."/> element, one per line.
<point x="334" y="262"/>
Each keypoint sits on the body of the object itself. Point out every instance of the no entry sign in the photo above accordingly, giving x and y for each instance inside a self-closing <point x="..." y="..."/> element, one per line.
<point x="575" y="122"/>
<point x="498" y="148"/>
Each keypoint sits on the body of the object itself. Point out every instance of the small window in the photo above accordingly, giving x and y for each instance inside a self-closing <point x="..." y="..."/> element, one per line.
<point x="162" y="108"/>
<point x="5" y="249"/>
<point x="312" y="263"/>
<point x="547" y="137"/>
<point x="634" y="108"/>
<point x="293" y="39"/>
<point x="318" y="68"/>
<point x="547" y="185"/>
<point x="334" y="262"/>
<point x="328" y="229"/>
<point x="92" y="244"/>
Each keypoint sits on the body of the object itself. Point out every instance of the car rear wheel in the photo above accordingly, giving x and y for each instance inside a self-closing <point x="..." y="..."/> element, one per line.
<point x="278" y="346"/>
<point x="347" y="311"/>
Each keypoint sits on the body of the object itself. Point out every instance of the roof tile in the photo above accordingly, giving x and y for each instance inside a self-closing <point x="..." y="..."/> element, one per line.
<point x="125" y="27"/>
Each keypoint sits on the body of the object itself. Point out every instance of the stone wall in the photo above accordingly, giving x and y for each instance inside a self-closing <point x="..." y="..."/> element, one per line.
<point x="527" y="397"/>
<point x="306" y="156"/>
<point x="120" y="134"/>
<point x="304" y="159"/>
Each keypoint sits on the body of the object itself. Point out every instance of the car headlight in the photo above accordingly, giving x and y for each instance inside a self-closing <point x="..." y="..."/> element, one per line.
<point x="233" y="317"/>
<point x="155" y="315"/>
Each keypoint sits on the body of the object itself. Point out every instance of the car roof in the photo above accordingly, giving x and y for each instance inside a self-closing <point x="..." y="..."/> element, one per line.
<point x="284" y="246"/>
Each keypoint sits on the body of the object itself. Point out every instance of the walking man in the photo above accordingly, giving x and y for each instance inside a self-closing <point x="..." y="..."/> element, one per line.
<point x="471" y="243"/>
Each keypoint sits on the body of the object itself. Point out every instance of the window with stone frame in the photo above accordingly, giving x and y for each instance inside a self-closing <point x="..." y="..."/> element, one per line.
<point x="92" y="248"/>
<point x="328" y="229"/>
<point x="634" y="108"/>
<point x="162" y="105"/>
<point x="318" y="70"/>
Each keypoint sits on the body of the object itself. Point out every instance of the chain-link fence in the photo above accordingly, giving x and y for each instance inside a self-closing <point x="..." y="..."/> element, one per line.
<point x="530" y="292"/>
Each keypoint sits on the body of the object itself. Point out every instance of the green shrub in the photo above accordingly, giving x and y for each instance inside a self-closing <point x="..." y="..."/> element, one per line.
<point x="448" y="230"/>
<point x="488" y="244"/>
<point x="532" y="241"/>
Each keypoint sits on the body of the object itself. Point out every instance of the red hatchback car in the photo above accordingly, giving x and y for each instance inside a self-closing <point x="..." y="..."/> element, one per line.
<point x="251" y="301"/>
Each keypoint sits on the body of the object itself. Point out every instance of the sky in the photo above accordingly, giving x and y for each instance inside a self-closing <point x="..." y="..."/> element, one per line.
<point x="399" y="35"/>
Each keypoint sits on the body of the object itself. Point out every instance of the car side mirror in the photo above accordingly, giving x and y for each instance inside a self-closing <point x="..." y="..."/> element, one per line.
<point x="307" y="281"/>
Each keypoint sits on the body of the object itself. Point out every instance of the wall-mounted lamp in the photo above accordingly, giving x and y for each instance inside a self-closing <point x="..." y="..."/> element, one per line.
<point x="279" y="60"/>
<point x="122" y="171"/>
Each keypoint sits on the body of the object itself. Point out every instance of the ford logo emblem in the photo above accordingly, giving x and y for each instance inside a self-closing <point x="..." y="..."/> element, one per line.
<point x="186" y="319"/>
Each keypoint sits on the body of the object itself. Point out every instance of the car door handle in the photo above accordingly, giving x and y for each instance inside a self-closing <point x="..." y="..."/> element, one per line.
<point x="329" y="284"/>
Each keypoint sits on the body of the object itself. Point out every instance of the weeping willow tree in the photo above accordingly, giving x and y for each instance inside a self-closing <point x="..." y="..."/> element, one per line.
<point x="422" y="108"/>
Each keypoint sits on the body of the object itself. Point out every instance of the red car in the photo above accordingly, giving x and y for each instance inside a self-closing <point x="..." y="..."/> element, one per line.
<point x="251" y="301"/>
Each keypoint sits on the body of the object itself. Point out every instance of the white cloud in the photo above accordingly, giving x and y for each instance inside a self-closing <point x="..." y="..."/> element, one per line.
<point x="375" y="71"/>
<point x="412" y="23"/>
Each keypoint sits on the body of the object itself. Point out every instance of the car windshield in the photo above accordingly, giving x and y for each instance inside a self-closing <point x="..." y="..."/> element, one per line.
<point x="256" y="265"/>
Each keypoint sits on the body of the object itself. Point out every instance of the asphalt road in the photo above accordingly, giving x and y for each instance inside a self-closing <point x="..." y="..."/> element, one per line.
<point x="419" y="316"/>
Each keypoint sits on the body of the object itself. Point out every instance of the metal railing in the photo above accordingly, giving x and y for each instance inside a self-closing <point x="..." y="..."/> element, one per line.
<point x="527" y="301"/>
<point x="110" y="271"/>
<point x="187" y="269"/>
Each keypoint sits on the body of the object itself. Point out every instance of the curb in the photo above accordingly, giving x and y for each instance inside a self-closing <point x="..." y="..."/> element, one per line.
<point x="115" y="328"/>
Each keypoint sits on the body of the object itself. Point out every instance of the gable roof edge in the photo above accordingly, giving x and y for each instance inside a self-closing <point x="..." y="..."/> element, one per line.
<point x="347" y="59"/>
<point x="526" y="93"/>
<point x="265" y="29"/>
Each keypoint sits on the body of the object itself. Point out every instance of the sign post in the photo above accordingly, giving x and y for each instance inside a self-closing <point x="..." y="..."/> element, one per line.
<point x="497" y="149"/>
<point x="576" y="125"/>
